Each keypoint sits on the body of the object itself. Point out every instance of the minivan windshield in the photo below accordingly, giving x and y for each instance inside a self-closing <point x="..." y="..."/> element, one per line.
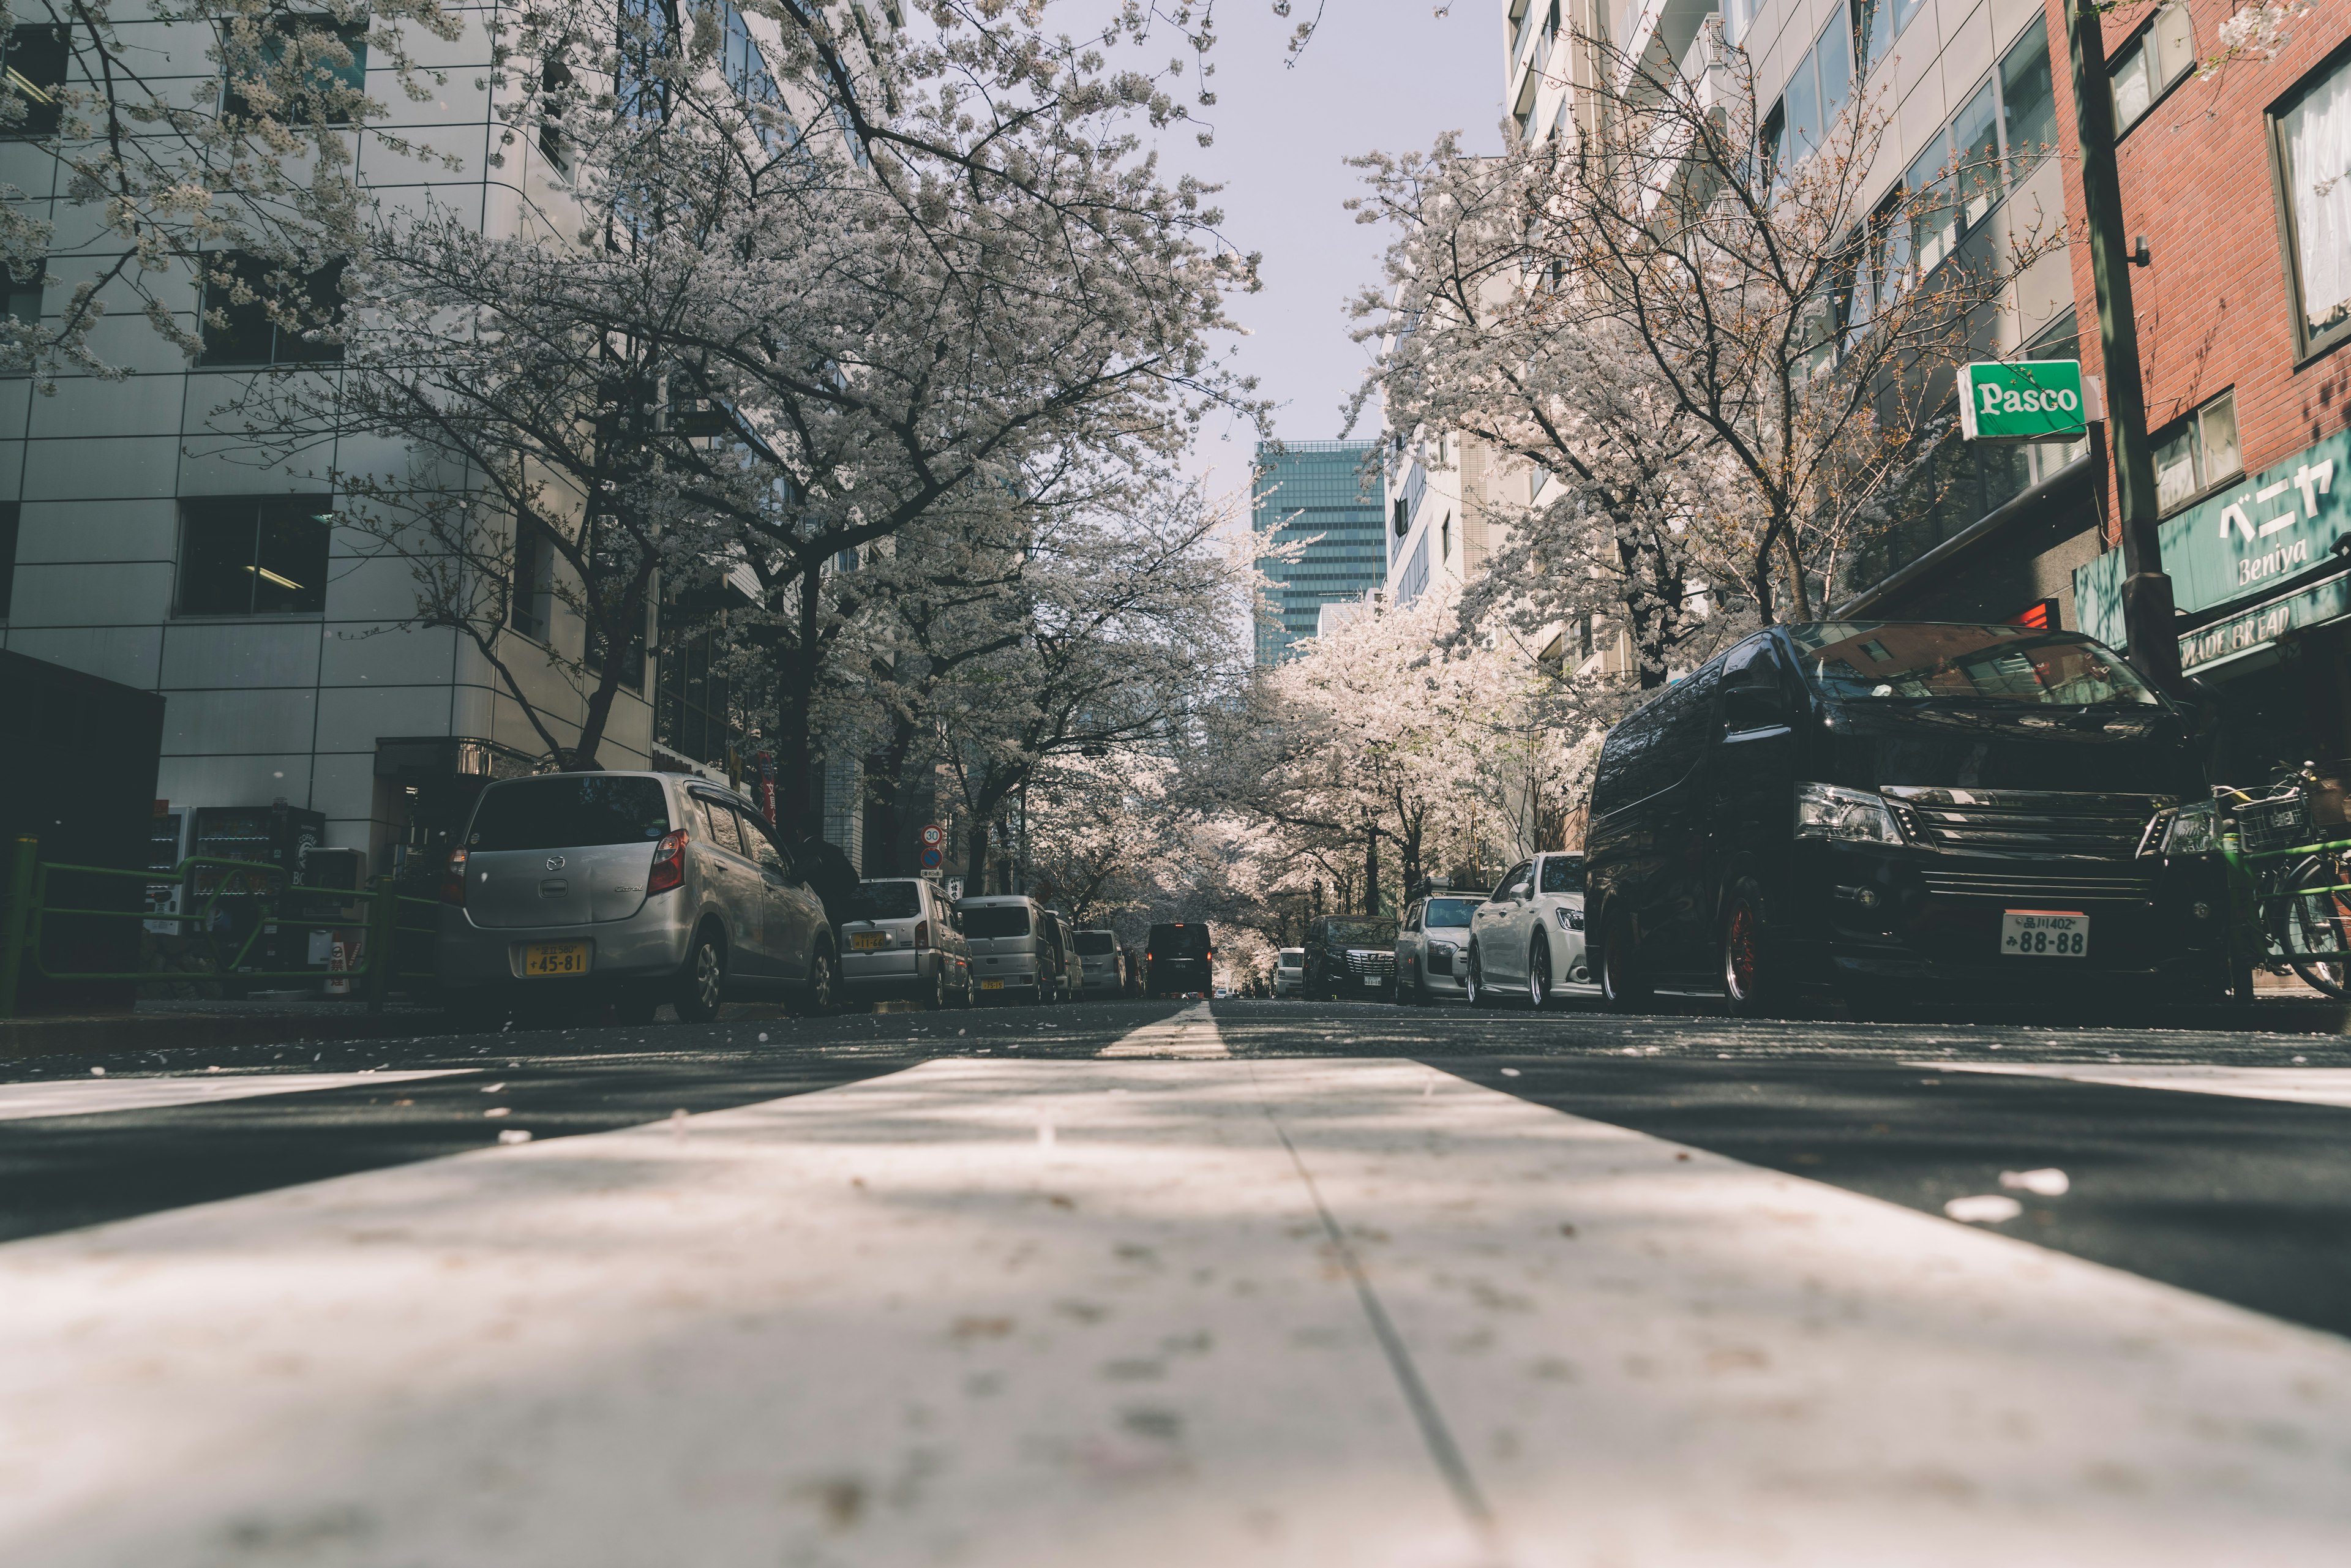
<point x="569" y="811"/>
<point x="1094" y="943"/>
<point x="1450" y="911"/>
<point x="885" y="901"/>
<point x="1949" y="661"/>
<point x="1180" y="941"/>
<point x="1358" y="931"/>
<point x="995" y="920"/>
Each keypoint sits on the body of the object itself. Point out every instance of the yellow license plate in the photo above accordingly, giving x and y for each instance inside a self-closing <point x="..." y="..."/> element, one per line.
<point x="555" y="958"/>
<point x="866" y="941"/>
<point x="991" y="985"/>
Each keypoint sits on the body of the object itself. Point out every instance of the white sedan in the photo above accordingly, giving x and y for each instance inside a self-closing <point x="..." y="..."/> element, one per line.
<point x="1528" y="937"/>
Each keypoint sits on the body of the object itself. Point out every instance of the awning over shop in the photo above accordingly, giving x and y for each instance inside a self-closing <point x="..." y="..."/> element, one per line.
<point x="2233" y="551"/>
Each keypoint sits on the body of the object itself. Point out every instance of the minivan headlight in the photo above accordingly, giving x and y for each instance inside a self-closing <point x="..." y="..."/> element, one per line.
<point x="1844" y="816"/>
<point x="2192" y="831"/>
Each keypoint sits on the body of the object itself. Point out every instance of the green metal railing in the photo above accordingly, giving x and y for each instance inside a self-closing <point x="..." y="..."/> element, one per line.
<point x="2265" y="912"/>
<point x="260" y="898"/>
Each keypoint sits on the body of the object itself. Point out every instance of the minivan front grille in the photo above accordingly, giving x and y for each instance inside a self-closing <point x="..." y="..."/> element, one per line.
<point x="1371" y="963"/>
<point x="2037" y="823"/>
<point x="2087" y="884"/>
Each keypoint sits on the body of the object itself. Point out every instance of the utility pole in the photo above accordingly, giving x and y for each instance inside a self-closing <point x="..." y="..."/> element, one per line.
<point x="2146" y="591"/>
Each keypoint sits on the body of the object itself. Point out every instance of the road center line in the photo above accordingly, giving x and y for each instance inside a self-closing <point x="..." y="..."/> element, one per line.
<point x="1191" y="1033"/>
<point x="2298" y="1085"/>
<point x="103" y="1096"/>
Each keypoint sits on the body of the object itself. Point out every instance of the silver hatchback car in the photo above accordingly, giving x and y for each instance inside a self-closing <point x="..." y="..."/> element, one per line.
<point x="635" y="888"/>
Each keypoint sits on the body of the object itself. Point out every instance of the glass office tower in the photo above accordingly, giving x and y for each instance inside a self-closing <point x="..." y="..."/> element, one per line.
<point x="1316" y="490"/>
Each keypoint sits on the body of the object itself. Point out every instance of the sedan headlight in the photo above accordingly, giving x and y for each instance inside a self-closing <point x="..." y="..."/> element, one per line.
<point x="1568" y="919"/>
<point x="1844" y="816"/>
<point x="2192" y="831"/>
<point x="1448" y="946"/>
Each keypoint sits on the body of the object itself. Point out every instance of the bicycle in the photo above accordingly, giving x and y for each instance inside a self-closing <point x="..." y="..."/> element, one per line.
<point x="2291" y="869"/>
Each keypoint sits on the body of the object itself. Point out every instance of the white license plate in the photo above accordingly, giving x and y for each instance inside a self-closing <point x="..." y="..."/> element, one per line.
<point x="2044" y="934"/>
<point x="1371" y="980"/>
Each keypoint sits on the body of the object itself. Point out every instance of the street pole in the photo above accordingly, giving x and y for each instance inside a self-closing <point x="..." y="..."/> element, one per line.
<point x="2147" y="591"/>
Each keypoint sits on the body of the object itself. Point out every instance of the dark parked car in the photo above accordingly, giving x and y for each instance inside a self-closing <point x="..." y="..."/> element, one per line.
<point x="1832" y="806"/>
<point x="1350" y="956"/>
<point x="1179" y="960"/>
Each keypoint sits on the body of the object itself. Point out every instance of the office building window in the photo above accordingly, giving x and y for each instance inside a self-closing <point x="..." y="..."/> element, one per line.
<point x="1873" y="32"/>
<point x="530" y="605"/>
<point x="2194" y="453"/>
<point x="254" y="555"/>
<point x="259" y="314"/>
<point x="330" y="59"/>
<point x="2312" y="138"/>
<point x="2144" y="70"/>
<point x="23" y="289"/>
<point x="2004" y="131"/>
<point x="2028" y="102"/>
<point x="1810" y="103"/>
<point x="8" y="514"/>
<point x="33" y="64"/>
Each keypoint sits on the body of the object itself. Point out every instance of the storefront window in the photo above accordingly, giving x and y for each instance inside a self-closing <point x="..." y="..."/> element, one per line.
<point x="2313" y="153"/>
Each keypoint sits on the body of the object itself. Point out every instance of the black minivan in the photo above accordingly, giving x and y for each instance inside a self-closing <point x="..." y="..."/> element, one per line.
<point x="1920" y="806"/>
<point x="1178" y="960"/>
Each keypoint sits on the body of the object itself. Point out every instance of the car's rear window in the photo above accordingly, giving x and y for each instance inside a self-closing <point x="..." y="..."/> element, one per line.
<point x="1180" y="941"/>
<point x="569" y="811"/>
<point x="885" y="901"/>
<point x="995" y="920"/>
<point x="1450" y="911"/>
<point x="1094" y="943"/>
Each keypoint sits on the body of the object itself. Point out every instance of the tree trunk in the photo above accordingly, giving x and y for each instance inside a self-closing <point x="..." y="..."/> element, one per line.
<point x="598" y="719"/>
<point x="796" y="670"/>
<point x="1371" y="870"/>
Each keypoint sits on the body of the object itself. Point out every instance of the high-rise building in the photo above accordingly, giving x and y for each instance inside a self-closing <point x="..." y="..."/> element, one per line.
<point x="1316" y="491"/>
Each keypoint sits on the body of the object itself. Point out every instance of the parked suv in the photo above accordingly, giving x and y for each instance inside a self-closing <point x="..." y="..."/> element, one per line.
<point x="1432" y="947"/>
<point x="901" y="941"/>
<point x="1180" y="959"/>
<point x="635" y="888"/>
<point x="1350" y="956"/>
<point x="1104" y="961"/>
<point x="1013" y="954"/>
<point x="1970" y="808"/>
<point x="1528" y="940"/>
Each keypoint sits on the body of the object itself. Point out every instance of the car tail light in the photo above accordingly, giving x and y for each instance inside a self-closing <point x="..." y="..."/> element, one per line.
<point x="922" y="935"/>
<point x="1146" y="957"/>
<point x="669" y="864"/>
<point x="453" y="880"/>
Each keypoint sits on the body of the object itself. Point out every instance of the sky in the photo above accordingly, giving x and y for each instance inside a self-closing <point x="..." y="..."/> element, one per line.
<point x="1379" y="74"/>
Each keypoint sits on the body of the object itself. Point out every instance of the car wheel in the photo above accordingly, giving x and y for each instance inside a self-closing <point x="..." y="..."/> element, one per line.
<point x="702" y="983"/>
<point x="817" y="1000"/>
<point x="1751" y="979"/>
<point x="1621" y="982"/>
<point x="636" y="1009"/>
<point x="935" y="1000"/>
<point x="1473" y="981"/>
<point x="1539" y="974"/>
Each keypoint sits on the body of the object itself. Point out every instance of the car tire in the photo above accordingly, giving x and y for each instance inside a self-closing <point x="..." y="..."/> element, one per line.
<point x="1473" y="981"/>
<point x="1749" y="965"/>
<point x="819" y="994"/>
<point x="700" y="989"/>
<point x="935" y="1001"/>
<point x="1624" y="985"/>
<point x="1539" y="974"/>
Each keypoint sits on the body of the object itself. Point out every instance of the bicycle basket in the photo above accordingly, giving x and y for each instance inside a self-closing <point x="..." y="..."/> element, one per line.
<point x="2281" y="822"/>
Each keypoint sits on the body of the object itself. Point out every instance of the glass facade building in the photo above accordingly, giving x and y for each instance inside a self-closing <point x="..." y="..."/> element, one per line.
<point x="1316" y="490"/>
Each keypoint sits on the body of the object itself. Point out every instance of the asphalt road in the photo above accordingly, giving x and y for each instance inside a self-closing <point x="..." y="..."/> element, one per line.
<point x="1250" y="1281"/>
<point x="2242" y="1199"/>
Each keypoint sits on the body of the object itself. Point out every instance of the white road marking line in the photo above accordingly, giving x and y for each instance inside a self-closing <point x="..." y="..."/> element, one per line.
<point x="24" y="1102"/>
<point x="2302" y="1085"/>
<point x="1190" y="1033"/>
<point x="883" y="1324"/>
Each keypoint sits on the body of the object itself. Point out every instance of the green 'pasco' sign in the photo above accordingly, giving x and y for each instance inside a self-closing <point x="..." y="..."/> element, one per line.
<point x="2030" y="400"/>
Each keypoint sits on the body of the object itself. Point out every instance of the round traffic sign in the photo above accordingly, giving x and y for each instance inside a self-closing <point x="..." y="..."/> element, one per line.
<point x="931" y="858"/>
<point x="935" y="835"/>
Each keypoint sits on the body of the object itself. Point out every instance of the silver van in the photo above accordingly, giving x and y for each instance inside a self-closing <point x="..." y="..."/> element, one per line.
<point x="1103" y="961"/>
<point x="635" y="888"/>
<point x="902" y="942"/>
<point x="1013" y="953"/>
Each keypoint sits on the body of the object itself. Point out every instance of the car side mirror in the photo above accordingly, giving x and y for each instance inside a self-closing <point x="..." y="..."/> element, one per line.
<point x="1753" y="708"/>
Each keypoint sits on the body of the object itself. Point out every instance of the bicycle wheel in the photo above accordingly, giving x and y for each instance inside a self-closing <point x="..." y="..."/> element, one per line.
<point x="2313" y="929"/>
